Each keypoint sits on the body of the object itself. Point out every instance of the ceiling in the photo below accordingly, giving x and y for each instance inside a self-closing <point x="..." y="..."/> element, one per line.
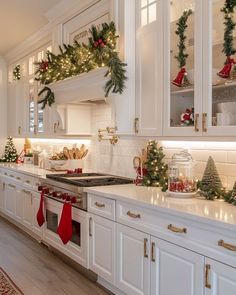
<point x="21" y="18"/>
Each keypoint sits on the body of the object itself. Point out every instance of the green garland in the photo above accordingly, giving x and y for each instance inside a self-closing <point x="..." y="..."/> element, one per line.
<point x="16" y="73"/>
<point x="228" y="10"/>
<point x="181" y="29"/>
<point x="81" y="58"/>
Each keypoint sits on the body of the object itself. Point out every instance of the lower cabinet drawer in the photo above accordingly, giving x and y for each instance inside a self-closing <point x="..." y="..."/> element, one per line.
<point x="192" y="234"/>
<point x="101" y="206"/>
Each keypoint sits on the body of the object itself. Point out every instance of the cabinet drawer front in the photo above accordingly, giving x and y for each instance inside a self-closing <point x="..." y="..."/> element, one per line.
<point x="191" y="234"/>
<point x="101" y="206"/>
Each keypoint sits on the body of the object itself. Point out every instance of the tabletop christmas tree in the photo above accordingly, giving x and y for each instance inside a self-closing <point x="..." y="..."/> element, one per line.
<point x="156" y="168"/>
<point x="10" y="153"/>
<point x="210" y="186"/>
<point x="230" y="196"/>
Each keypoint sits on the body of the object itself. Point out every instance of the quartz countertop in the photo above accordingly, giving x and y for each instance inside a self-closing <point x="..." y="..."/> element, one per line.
<point x="28" y="169"/>
<point x="199" y="209"/>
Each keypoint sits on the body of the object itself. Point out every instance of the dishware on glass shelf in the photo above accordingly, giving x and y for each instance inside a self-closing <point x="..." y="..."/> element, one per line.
<point x="225" y="119"/>
<point x="181" y="180"/>
<point x="227" y="107"/>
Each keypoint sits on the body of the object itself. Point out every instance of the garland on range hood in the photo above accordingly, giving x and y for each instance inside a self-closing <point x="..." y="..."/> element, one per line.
<point x="81" y="58"/>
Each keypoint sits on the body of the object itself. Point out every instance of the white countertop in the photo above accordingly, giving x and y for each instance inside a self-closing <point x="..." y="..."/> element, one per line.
<point x="28" y="169"/>
<point x="153" y="198"/>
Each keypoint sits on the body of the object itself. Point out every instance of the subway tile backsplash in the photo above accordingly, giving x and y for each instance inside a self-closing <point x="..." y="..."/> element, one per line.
<point x="118" y="159"/>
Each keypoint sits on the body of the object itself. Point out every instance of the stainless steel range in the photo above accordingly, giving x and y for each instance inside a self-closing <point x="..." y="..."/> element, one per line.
<point x="70" y="187"/>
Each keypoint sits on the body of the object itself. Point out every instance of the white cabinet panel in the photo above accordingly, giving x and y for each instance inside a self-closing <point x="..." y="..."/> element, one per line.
<point x="10" y="200"/>
<point x="102" y="247"/>
<point x="221" y="279"/>
<point x="2" y="194"/>
<point x="27" y="208"/>
<point x="133" y="263"/>
<point x="175" y="270"/>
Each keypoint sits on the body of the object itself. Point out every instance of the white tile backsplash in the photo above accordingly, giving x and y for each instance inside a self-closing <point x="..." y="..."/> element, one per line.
<point x="118" y="159"/>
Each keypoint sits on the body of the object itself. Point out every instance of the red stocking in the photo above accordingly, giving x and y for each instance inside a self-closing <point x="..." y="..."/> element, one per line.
<point x="40" y="215"/>
<point x="65" y="227"/>
<point x="178" y="81"/>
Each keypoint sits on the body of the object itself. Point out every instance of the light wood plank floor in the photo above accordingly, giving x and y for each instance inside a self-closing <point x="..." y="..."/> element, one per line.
<point x="36" y="270"/>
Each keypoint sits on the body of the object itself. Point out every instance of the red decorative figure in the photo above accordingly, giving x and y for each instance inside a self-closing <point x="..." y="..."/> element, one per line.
<point x="179" y="80"/>
<point x="225" y="72"/>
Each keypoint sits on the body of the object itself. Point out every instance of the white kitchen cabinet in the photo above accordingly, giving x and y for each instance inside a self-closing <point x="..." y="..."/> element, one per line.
<point x="220" y="278"/>
<point x="19" y="204"/>
<point x="133" y="261"/>
<point x="175" y="270"/>
<point x="10" y="200"/>
<point x="2" y="193"/>
<point x="102" y="240"/>
<point x="149" y="67"/>
<point x="211" y="98"/>
<point x="27" y="201"/>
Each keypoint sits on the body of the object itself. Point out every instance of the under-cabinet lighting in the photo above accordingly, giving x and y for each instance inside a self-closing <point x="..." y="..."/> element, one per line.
<point x="60" y="141"/>
<point x="202" y="145"/>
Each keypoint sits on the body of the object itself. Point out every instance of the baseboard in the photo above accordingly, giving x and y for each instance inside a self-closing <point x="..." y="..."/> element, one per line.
<point x="110" y="287"/>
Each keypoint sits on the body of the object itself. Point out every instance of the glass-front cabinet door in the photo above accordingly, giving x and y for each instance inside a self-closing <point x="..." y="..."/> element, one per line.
<point x="182" y="67"/>
<point x="219" y="68"/>
<point x="37" y="117"/>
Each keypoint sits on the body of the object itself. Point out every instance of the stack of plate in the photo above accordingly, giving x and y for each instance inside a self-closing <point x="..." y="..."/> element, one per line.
<point x="226" y="113"/>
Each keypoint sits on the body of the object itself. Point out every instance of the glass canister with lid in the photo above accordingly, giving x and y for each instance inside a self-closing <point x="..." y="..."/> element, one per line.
<point x="181" y="180"/>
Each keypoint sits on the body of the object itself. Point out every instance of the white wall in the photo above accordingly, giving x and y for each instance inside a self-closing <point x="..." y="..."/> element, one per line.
<point x="3" y="102"/>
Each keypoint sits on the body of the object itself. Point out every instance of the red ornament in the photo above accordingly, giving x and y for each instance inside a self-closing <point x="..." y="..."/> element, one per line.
<point x="178" y="81"/>
<point x="225" y="72"/>
<point x="99" y="43"/>
<point x="44" y="66"/>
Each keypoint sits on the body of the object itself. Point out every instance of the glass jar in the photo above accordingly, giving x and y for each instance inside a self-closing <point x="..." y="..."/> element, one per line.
<point x="181" y="174"/>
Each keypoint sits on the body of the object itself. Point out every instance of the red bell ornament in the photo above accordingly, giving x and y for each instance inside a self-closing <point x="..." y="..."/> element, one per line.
<point x="179" y="80"/>
<point x="225" y="72"/>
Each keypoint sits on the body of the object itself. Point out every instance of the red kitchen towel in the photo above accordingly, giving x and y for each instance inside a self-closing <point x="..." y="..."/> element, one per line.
<point x="40" y="215"/>
<point x="65" y="227"/>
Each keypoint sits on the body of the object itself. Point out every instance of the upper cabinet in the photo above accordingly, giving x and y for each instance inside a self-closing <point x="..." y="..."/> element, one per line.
<point x="199" y="69"/>
<point x="149" y="68"/>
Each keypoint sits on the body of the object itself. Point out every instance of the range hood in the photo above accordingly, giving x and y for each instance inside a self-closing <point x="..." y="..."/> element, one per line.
<point x="86" y="87"/>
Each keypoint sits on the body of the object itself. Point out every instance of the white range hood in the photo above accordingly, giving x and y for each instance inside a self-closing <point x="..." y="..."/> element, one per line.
<point x="84" y="87"/>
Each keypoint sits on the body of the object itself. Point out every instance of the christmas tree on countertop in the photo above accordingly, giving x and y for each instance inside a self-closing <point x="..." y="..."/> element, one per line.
<point x="210" y="186"/>
<point x="230" y="196"/>
<point x="10" y="153"/>
<point x="156" y="168"/>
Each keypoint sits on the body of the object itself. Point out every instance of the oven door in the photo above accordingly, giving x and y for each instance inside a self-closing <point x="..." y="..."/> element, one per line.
<point x="76" y="248"/>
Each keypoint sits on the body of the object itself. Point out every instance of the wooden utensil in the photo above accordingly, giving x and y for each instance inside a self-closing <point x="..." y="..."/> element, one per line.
<point x="66" y="153"/>
<point x="84" y="154"/>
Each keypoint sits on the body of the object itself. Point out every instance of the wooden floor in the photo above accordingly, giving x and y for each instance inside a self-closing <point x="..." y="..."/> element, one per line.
<point x="36" y="270"/>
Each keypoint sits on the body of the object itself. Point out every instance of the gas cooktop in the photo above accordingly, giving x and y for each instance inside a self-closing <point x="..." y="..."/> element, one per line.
<point x="89" y="179"/>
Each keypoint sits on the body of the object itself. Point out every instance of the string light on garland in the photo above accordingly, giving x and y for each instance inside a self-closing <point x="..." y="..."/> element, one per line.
<point x="80" y="58"/>
<point x="16" y="73"/>
<point x="181" y="80"/>
<point x="228" y="45"/>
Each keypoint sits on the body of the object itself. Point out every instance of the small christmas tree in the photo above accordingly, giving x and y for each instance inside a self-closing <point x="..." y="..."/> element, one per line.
<point x="230" y="196"/>
<point x="156" y="168"/>
<point x="10" y="154"/>
<point x="210" y="186"/>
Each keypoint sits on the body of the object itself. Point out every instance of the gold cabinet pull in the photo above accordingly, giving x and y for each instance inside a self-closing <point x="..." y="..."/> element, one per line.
<point x="230" y="247"/>
<point x="196" y="118"/>
<point x="18" y="178"/>
<point x="133" y="215"/>
<point x="55" y="127"/>
<point x="27" y="192"/>
<point x="207" y="270"/>
<point x="35" y="129"/>
<point x="145" y="247"/>
<point x="136" y="121"/>
<point x="19" y="130"/>
<point x="152" y="252"/>
<point x="90" y="226"/>
<point x="177" y="229"/>
<point x="204" y="122"/>
<point x="11" y="185"/>
<point x="99" y="205"/>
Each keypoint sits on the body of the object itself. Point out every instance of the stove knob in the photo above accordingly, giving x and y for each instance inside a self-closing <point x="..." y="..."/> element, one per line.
<point x="64" y="196"/>
<point x="73" y="199"/>
<point x="54" y="194"/>
<point x="46" y="190"/>
<point x="68" y="198"/>
<point x="40" y="188"/>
